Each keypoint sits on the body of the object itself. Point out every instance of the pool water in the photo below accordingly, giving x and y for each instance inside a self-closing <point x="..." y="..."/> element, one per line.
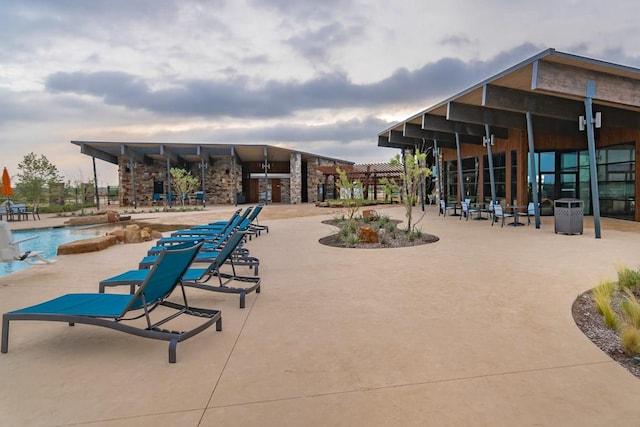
<point x="47" y="241"/>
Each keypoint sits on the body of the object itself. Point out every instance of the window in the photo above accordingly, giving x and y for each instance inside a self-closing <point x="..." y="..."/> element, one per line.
<point x="616" y="181"/>
<point x="514" y="175"/>
<point x="499" y="173"/>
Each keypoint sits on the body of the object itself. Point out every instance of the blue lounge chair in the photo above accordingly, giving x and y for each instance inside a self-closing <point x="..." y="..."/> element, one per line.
<point x="221" y="227"/>
<point x="109" y="310"/>
<point x="197" y="277"/>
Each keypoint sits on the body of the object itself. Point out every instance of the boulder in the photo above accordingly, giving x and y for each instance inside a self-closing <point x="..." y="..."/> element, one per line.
<point x="112" y="216"/>
<point x="87" y="245"/>
<point x="368" y="235"/>
<point x="119" y="235"/>
<point x="151" y="234"/>
<point x="370" y="214"/>
<point x="88" y="220"/>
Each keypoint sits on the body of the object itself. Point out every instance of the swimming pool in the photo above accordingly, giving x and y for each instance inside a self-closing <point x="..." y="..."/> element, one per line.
<point x="48" y="241"/>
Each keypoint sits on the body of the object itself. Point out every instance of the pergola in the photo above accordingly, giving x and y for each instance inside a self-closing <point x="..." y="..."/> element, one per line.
<point x="368" y="174"/>
<point x="551" y="93"/>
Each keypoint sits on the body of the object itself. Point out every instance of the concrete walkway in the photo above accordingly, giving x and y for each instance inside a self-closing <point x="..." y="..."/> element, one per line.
<point x="475" y="329"/>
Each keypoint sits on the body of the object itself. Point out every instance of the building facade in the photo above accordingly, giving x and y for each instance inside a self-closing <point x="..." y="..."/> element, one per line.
<point x="227" y="173"/>
<point x="555" y="126"/>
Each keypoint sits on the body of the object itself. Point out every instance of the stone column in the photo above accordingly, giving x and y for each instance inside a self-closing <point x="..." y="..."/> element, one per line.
<point x="295" y="169"/>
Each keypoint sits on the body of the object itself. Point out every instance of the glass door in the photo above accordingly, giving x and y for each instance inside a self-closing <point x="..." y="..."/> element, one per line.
<point x="568" y="185"/>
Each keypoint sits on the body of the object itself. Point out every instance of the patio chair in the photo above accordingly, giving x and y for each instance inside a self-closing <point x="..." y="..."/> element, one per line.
<point x="531" y="212"/>
<point x="109" y="310"/>
<point x="467" y="211"/>
<point x="499" y="213"/>
<point x="444" y="208"/>
<point x="197" y="277"/>
<point x="10" y="249"/>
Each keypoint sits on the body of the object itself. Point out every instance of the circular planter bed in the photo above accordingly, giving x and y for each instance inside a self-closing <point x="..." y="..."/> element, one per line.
<point x="386" y="239"/>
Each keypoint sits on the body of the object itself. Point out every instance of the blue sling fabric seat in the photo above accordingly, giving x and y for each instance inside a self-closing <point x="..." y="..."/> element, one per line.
<point x="197" y="277"/>
<point x="109" y="310"/>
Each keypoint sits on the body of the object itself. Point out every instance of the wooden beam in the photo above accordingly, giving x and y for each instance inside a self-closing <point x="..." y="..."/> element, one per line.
<point x="398" y="137"/>
<point x="570" y="80"/>
<point x="485" y="116"/>
<point x="132" y="154"/>
<point x="503" y="98"/>
<point x="511" y="119"/>
<point x="440" y="123"/>
<point x="555" y="107"/>
<point x="444" y="139"/>
<point x="173" y="157"/>
<point x="618" y="117"/>
<point x="98" y="154"/>
<point x="216" y="152"/>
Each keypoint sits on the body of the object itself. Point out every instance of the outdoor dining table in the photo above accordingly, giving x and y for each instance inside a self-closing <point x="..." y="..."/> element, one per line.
<point x="14" y="212"/>
<point x="515" y="212"/>
<point x="481" y="208"/>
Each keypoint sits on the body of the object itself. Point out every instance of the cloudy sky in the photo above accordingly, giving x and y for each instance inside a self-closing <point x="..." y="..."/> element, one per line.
<point x="321" y="76"/>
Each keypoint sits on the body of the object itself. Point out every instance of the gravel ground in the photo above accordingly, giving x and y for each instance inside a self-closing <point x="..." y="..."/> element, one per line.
<point x="591" y="323"/>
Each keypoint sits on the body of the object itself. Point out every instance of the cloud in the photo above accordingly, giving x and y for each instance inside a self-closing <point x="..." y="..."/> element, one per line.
<point x="304" y="11"/>
<point x="237" y="97"/>
<point x="315" y="45"/>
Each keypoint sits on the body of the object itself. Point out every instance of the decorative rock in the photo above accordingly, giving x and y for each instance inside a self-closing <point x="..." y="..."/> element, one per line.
<point x="112" y="216"/>
<point x="119" y="235"/>
<point x="370" y="214"/>
<point x="368" y="235"/>
<point x="87" y="245"/>
<point x="152" y="235"/>
<point x="88" y="220"/>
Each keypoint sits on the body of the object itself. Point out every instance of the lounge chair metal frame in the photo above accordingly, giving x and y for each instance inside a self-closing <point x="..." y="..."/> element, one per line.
<point x="170" y="267"/>
<point x="224" y="279"/>
<point x="201" y="276"/>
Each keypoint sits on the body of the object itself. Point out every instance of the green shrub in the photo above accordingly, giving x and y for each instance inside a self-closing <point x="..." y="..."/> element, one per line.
<point x="630" y="339"/>
<point x="628" y="278"/>
<point x="352" y="240"/>
<point x="630" y="308"/>
<point x="602" y="298"/>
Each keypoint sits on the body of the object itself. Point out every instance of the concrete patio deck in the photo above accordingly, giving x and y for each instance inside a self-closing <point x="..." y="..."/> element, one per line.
<point x="475" y="329"/>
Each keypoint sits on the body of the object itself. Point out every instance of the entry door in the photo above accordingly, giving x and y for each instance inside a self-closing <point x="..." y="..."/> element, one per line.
<point x="276" y="194"/>
<point x="568" y="185"/>
<point x="253" y="191"/>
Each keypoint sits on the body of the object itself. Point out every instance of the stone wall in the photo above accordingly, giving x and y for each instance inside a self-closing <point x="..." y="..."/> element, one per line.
<point x="219" y="182"/>
<point x="220" y="187"/>
<point x="315" y="178"/>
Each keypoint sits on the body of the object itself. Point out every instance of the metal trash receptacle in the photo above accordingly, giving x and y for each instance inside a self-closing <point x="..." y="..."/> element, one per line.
<point x="568" y="215"/>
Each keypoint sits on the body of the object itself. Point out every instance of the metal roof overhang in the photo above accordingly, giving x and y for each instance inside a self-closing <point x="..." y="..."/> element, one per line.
<point x="182" y="153"/>
<point x="550" y="85"/>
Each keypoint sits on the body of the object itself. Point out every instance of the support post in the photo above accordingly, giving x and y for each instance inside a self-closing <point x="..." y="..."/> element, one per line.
<point x="593" y="167"/>
<point x="533" y="173"/>
<point x="266" y="167"/>
<point x="95" y="183"/>
<point x="202" y="173"/>
<point x="235" y="179"/>
<point x="461" y="184"/>
<point x="169" y="181"/>
<point x="132" y="167"/>
<point x="492" y="179"/>
<point x="436" y="152"/>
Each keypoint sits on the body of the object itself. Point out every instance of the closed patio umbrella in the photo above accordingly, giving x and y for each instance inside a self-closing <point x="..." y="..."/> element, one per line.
<point x="6" y="184"/>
